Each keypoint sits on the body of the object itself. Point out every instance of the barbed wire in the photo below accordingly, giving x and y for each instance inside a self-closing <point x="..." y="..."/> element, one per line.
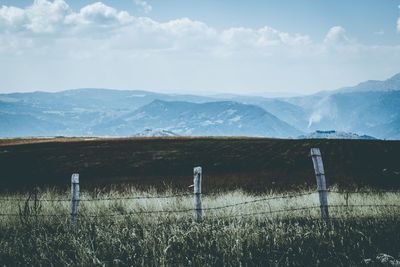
<point x="98" y="199"/>
<point x="367" y="191"/>
<point x="204" y="209"/>
<point x="364" y="206"/>
<point x="30" y="200"/>
<point x="31" y="215"/>
<point x="268" y="212"/>
<point x="139" y="197"/>
<point x="235" y="204"/>
<point x="133" y="197"/>
<point x="259" y="200"/>
<point x="312" y="207"/>
<point x="218" y="207"/>
<point x="211" y="208"/>
<point x="191" y="194"/>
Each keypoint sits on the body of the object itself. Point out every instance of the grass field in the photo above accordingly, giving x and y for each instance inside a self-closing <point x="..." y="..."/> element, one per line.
<point x="251" y="164"/>
<point x="114" y="230"/>
<point x="260" y="207"/>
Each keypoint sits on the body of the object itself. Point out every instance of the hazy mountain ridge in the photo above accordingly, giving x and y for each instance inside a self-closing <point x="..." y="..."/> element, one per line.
<point x="287" y="112"/>
<point x="370" y="108"/>
<point x="334" y="135"/>
<point x="73" y="112"/>
<point x="95" y="99"/>
<point x="391" y="84"/>
<point x="212" y="118"/>
<point x="372" y="113"/>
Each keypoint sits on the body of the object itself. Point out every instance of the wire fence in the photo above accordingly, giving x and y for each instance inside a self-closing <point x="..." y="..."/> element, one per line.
<point x="98" y="199"/>
<point x="322" y="192"/>
<point x="368" y="191"/>
<point x="187" y="210"/>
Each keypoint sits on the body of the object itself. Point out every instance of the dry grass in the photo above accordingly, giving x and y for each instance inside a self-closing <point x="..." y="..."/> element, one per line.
<point x="64" y="139"/>
<point x="223" y="238"/>
<point x="233" y="203"/>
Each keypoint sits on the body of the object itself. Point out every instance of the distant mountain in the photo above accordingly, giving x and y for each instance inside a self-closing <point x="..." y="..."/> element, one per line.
<point x="71" y="112"/>
<point x="390" y="84"/>
<point x="185" y="118"/>
<point x="155" y="132"/>
<point x="371" y="113"/>
<point x="290" y="113"/>
<point x="332" y="134"/>
<point x="369" y="108"/>
<point x="12" y="125"/>
<point x="94" y="99"/>
<point x="307" y="102"/>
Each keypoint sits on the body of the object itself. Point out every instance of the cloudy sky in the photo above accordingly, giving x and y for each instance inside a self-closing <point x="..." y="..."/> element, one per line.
<point x="197" y="46"/>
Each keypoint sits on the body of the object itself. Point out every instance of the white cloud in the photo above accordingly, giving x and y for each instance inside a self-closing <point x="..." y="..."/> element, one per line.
<point x="40" y="17"/>
<point x="144" y="5"/>
<point x="11" y="16"/>
<point x="181" y="53"/>
<point x="186" y="26"/>
<point x="398" y="24"/>
<point x="188" y="34"/>
<point x="44" y="16"/>
<point x="337" y="35"/>
<point x="398" y="21"/>
<point x="114" y="29"/>
<point x="262" y="37"/>
<point x="98" y="14"/>
<point x="57" y="17"/>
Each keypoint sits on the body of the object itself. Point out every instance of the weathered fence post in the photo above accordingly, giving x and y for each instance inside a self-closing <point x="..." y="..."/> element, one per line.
<point x="74" y="199"/>
<point x="197" y="172"/>
<point x="321" y="182"/>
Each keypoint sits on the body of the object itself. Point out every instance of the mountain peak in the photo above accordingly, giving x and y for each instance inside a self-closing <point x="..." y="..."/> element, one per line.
<point x="395" y="78"/>
<point x="333" y="134"/>
<point x="218" y="118"/>
<point x="391" y="84"/>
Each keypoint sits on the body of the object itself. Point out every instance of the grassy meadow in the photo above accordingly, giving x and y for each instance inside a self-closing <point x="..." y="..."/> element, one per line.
<point x="259" y="212"/>
<point x="238" y="229"/>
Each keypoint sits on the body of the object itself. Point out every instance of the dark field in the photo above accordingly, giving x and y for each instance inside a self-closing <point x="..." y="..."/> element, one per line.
<point x="252" y="164"/>
<point x="116" y="229"/>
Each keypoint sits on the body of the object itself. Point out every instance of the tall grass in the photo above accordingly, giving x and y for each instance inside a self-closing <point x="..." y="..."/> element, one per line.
<point x="109" y="232"/>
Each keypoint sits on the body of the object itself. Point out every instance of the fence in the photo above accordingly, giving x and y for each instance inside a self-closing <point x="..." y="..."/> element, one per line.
<point x="197" y="198"/>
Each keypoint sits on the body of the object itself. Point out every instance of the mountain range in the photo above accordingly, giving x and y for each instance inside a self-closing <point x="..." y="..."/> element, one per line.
<point x="332" y="134"/>
<point x="204" y="119"/>
<point x="369" y="108"/>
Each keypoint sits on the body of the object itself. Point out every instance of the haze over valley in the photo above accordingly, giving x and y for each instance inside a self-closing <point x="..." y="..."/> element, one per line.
<point x="369" y="108"/>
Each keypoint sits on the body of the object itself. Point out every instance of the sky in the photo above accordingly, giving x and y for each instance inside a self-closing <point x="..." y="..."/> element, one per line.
<point x="270" y="47"/>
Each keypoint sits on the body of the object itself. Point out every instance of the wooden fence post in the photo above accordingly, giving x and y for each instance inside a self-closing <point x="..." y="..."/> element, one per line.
<point x="197" y="172"/>
<point x="74" y="199"/>
<point x="321" y="182"/>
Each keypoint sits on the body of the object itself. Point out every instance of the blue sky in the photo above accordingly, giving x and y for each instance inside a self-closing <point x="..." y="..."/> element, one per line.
<point x="314" y="17"/>
<point x="246" y="47"/>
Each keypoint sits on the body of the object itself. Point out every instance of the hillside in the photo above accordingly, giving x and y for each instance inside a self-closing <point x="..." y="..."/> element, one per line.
<point x="371" y="113"/>
<point x="369" y="108"/>
<point x="254" y="164"/>
<point x="71" y="112"/>
<point x="191" y="119"/>
<point x="391" y="84"/>
<point x="282" y="109"/>
<point x="332" y="134"/>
